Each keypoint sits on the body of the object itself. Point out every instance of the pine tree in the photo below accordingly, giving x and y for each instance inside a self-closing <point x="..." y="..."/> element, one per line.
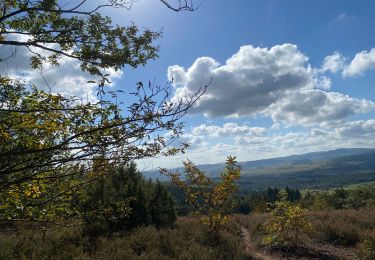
<point x="162" y="207"/>
<point x="123" y="200"/>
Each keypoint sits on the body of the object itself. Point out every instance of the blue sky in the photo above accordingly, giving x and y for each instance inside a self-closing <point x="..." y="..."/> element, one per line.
<point x="324" y="44"/>
<point x="289" y="76"/>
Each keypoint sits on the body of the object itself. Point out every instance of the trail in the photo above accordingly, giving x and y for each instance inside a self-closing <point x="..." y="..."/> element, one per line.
<point x="251" y="247"/>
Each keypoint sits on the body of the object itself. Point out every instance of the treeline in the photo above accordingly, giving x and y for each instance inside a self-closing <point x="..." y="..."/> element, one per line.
<point x="120" y="200"/>
<point x="263" y="201"/>
<point x="355" y="198"/>
<point x="123" y="200"/>
<point x="245" y="202"/>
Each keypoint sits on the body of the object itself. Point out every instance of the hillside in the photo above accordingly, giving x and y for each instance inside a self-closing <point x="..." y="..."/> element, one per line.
<point x="311" y="170"/>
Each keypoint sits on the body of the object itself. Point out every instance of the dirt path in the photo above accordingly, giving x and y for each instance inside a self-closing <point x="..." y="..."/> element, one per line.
<point x="251" y="247"/>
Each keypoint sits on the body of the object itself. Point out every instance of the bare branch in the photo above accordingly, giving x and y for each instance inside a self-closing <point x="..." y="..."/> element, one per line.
<point x="183" y="5"/>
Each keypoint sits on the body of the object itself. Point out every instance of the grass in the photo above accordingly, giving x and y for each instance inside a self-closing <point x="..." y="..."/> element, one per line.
<point x="187" y="240"/>
<point x="342" y="227"/>
<point x="336" y="234"/>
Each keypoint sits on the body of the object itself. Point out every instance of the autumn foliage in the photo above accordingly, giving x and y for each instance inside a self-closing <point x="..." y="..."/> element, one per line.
<point x="209" y="199"/>
<point x="287" y="224"/>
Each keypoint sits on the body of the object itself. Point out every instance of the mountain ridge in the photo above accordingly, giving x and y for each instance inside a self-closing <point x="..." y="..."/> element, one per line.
<point x="310" y="170"/>
<point x="294" y="158"/>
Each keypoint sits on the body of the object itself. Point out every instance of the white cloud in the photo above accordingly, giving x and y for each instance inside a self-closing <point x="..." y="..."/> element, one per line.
<point x="67" y="78"/>
<point x="307" y="107"/>
<point x="333" y="63"/>
<point x="270" y="144"/>
<point x="249" y="81"/>
<point x="322" y="82"/>
<point x="362" y="62"/>
<point x="276" y="82"/>
<point x="227" y="130"/>
<point x="363" y="129"/>
<point x="192" y="139"/>
<point x="352" y="134"/>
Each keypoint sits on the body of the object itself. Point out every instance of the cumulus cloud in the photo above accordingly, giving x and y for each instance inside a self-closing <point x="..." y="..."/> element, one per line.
<point x="361" y="62"/>
<point x="271" y="143"/>
<point x="66" y="79"/>
<point x="310" y="106"/>
<point x="227" y="130"/>
<point x="359" y="133"/>
<point x="249" y="81"/>
<point x="276" y="82"/>
<point x="322" y="81"/>
<point x="192" y="139"/>
<point x="362" y="129"/>
<point x="333" y="63"/>
<point x="351" y="134"/>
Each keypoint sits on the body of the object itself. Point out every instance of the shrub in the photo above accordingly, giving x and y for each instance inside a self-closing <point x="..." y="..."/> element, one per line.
<point x="366" y="249"/>
<point x="212" y="200"/>
<point x="287" y="225"/>
<point x="342" y="235"/>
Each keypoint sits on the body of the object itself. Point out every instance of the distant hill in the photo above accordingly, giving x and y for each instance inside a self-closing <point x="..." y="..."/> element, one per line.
<point x="311" y="170"/>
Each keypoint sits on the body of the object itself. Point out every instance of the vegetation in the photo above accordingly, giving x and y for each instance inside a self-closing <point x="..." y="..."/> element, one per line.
<point x="366" y="249"/>
<point x="108" y="233"/>
<point x="123" y="200"/>
<point x="351" y="197"/>
<point x="212" y="200"/>
<point x="287" y="224"/>
<point x="187" y="240"/>
<point x="324" y="170"/>
<point x="355" y="198"/>
<point x="52" y="146"/>
<point x="78" y="33"/>
<point x="337" y="234"/>
<point x="263" y="200"/>
<point x="69" y="188"/>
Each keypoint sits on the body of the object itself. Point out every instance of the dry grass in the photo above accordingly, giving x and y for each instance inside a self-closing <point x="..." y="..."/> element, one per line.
<point x="188" y="240"/>
<point x="342" y="227"/>
<point x="338" y="234"/>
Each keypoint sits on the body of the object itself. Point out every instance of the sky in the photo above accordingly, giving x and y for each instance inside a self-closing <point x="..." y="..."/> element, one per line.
<point x="288" y="76"/>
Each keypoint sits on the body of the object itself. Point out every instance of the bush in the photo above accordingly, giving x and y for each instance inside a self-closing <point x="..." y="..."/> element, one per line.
<point x="212" y="200"/>
<point x="366" y="249"/>
<point x="344" y="235"/>
<point x="287" y="225"/>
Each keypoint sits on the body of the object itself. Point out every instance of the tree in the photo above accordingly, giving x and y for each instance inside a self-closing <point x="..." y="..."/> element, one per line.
<point x="77" y="32"/>
<point x="55" y="145"/>
<point x="162" y="209"/>
<point x="123" y="200"/>
<point x="212" y="200"/>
